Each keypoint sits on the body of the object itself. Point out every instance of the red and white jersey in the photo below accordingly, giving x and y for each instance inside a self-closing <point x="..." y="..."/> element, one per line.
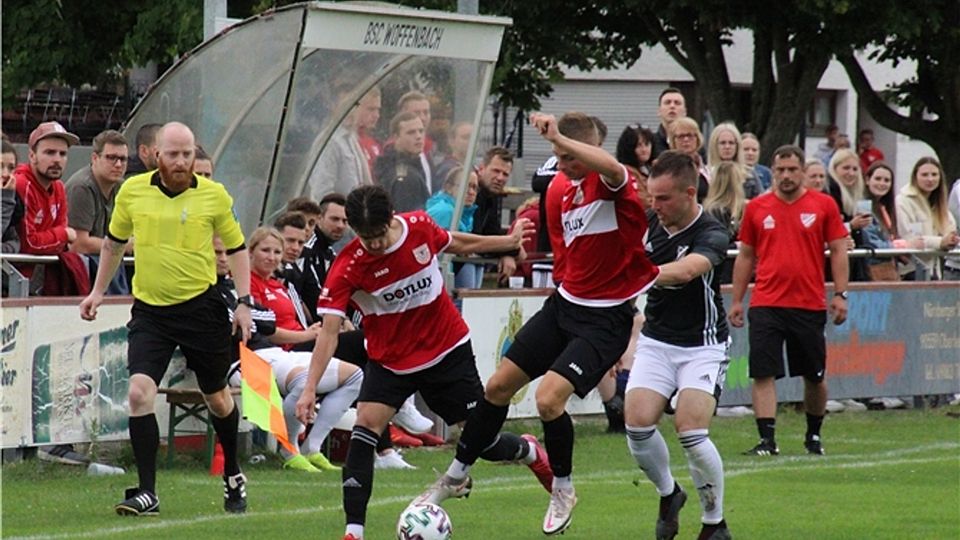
<point x="272" y="293"/>
<point x="596" y="233"/>
<point x="409" y="321"/>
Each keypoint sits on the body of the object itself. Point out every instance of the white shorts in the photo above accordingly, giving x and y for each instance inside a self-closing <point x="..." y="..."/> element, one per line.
<point x="283" y="362"/>
<point x="663" y="368"/>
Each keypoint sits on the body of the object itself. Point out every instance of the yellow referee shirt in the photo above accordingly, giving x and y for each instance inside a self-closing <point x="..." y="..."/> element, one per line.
<point x="174" y="235"/>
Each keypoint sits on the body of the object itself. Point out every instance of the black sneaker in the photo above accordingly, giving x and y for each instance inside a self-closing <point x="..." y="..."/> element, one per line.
<point x="138" y="502"/>
<point x="62" y="453"/>
<point x="814" y="445"/>
<point x="763" y="448"/>
<point x="235" y="493"/>
<point x="715" y="532"/>
<point x="668" y="520"/>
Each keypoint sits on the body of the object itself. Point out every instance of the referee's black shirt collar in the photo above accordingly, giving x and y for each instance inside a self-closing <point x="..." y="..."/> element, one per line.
<point x="155" y="181"/>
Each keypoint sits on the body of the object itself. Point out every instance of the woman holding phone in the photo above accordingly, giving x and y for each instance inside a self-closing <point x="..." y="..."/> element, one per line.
<point x="847" y="188"/>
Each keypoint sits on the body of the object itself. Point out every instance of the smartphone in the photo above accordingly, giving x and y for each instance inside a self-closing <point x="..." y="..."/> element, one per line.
<point x="864" y="206"/>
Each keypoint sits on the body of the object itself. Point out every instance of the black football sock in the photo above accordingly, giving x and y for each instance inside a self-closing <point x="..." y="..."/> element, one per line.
<point x="814" y="423"/>
<point x="558" y="438"/>
<point x="480" y="431"/>
<point x="145" y="438"/>
<point x="767" y="428"/>
<point x="226" y="429"/>
<point x="358" y="474"/>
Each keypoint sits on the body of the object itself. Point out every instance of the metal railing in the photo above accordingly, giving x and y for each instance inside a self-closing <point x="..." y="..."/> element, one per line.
<point x="19" y="285"/>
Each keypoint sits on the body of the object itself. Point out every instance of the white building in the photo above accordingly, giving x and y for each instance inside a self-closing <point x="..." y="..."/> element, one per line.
<point x="625" y="96"/>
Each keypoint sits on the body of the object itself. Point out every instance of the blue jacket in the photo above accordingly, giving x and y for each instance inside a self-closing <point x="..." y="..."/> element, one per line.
<point x="440" y="207"/>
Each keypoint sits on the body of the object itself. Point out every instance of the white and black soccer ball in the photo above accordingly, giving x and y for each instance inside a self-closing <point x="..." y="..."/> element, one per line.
<point x="424" y="521"/>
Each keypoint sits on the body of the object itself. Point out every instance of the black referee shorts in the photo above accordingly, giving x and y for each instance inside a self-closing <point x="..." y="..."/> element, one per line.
<point x="578" y="342"/>
<point x="802" y="330"/>
<point x="451" y="387"/>
<point x="200" y="327"/>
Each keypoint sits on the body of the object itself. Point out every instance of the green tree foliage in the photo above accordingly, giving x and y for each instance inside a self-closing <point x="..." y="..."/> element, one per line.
<point x="77" y="42"/>
<point x="927" y="33"/>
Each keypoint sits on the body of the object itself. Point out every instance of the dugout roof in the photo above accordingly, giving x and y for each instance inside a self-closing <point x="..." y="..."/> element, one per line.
<point x="264" y="96"/>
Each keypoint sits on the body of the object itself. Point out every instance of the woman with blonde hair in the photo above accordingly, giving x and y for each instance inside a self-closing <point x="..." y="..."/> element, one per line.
<point x="815" y="175"/>
<point x="849" y="191"/>
<point x="922" y="213"/>
<point x="685" y="137"/>
<point x="725" y="201"/>
<point x="726" y="145"/>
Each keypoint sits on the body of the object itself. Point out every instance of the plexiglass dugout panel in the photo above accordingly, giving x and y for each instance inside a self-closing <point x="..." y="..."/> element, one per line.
<point x="300" y="101"/>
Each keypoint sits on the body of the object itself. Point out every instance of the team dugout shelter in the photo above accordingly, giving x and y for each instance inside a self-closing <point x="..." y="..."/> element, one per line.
<point x="265" y="96"/>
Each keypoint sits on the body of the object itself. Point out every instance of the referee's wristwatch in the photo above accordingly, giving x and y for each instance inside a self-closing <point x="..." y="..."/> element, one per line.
<point x="245" y="300"/>
<point x="842" y="294"/>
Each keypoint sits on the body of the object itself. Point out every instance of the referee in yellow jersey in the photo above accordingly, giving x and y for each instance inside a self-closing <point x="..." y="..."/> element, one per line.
<point x="173" y="214"/>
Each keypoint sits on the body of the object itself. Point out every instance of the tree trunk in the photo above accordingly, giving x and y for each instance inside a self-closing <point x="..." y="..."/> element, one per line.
<point x="941" y="134"/>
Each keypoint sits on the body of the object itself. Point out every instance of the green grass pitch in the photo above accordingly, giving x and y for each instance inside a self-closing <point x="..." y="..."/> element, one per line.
<point x="886" y="475"/>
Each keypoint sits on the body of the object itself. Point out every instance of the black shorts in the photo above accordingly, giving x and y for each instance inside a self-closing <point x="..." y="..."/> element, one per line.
<point x="200" y="327"/>
<point x="803" y="332"/>
<point x="580" y="343"/>
<point x="451" y="388"/>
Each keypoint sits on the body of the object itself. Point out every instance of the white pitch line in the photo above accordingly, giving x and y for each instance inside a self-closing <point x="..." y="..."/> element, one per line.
<point x="508" y="483"/>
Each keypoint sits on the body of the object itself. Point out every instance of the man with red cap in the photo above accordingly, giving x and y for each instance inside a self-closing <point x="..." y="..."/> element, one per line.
<point x="44" y="230"/>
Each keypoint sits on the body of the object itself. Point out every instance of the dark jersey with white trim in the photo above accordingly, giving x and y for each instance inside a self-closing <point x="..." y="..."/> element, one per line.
<point x="692" y="314"/>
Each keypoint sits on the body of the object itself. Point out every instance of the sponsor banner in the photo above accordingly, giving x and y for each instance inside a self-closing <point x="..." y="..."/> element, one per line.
<point x="68" y="378"/>
<point x="14" y="379"/>
<point x="902" y="340"/>
<point x="384" y="30"/>
<point x="897" y="341"/>
<point x="494" y="321"/>
<point x="78" y="374"/>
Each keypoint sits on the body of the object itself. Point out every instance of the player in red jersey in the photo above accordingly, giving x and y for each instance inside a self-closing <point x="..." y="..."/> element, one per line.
<point x="783" y="233"/>
<point x="415" y="337"/>
<point x="596" y="223"/>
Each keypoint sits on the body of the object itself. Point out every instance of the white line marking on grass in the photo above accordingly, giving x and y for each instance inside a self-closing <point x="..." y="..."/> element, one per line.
<point x="509" y="483"/>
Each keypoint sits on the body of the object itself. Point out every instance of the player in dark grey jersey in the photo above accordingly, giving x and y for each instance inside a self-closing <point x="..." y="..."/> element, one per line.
<point x="682" y="346"/>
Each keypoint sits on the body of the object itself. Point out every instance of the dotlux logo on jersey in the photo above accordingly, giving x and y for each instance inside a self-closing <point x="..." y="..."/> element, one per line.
<point x="408" y="290"/>
<point x="573" y="225"/>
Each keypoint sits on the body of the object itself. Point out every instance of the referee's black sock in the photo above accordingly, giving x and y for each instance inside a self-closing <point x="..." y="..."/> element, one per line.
<point x="358" y="474"/>
<point x="480" y="431"/>
<point x="813" y="425"/>
<point x="767" y="428"/>
<point x="226" y="429"/>
<point x="558" y="438"/>
<point x="145" y="439"/>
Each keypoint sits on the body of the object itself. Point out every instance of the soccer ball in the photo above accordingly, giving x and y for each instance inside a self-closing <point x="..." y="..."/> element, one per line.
<point x="424" y="521"/>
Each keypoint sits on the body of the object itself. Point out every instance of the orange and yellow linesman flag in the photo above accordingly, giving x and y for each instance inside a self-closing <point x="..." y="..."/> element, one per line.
<point x="261" y="398"/>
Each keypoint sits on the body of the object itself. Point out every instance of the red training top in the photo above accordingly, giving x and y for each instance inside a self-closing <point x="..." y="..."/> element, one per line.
<point x="43" y="229"/>
<point x="789" y="240"/>
<point x="272" y="293"/>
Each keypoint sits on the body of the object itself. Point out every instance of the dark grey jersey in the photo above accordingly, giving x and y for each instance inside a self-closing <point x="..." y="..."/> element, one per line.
<point x="691" y="314"/>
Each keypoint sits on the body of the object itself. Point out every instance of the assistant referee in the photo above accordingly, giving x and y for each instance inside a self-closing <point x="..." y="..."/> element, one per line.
<point x="173" y="214"/>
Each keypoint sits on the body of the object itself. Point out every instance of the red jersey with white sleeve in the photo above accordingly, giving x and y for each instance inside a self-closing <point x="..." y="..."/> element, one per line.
<point x="409" y="321"/>
<point x="554" y="209"/>
<point x="789" y="239"/>
<point x="596" y="233"/>
<point x="272" y="293"/>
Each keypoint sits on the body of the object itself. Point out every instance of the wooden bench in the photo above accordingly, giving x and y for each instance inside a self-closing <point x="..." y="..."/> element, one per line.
<point x="188" y="403"/>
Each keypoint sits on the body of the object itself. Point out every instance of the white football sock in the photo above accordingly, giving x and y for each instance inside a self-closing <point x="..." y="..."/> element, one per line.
<point x="650" y="451"/>
<point x="706" y="468"/>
